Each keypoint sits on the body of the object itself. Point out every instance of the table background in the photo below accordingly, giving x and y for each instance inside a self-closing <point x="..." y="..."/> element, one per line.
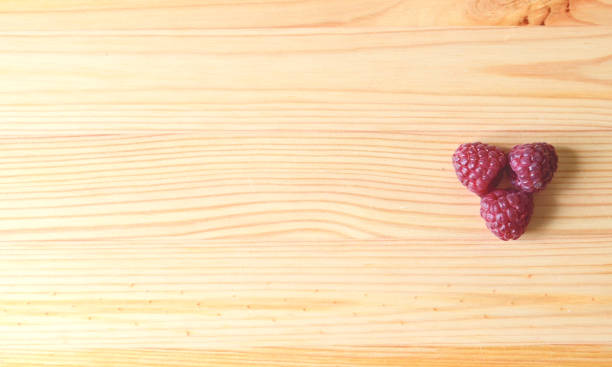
<point x="268" y="183"/>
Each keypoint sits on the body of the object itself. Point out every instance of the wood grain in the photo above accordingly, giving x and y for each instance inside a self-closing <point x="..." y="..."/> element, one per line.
<point x="192" y="14"/>
<point x="282" y="185"/>
<point x="172" y="193"/>
<point x="537" y="356"/>
<point x="484" y="79"/>
<point x="236" y="295"/>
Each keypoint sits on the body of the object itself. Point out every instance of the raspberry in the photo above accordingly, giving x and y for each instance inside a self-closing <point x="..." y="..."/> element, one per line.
<point x="532" y="166"/>
<point x="507" y="212"/>
<point x="479" y="166"/>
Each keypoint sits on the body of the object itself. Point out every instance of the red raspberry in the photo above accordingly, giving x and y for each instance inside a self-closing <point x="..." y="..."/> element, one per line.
<point x="532" y="166"/>
<point x="479" y="166"/>
<point x="507" y="212"/>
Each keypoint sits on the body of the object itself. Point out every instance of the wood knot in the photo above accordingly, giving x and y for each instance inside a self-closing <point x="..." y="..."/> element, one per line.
<point x="514" y="12"/>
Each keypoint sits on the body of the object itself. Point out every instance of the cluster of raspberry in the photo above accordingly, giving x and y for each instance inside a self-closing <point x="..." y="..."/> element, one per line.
<point x="480" y="167"/>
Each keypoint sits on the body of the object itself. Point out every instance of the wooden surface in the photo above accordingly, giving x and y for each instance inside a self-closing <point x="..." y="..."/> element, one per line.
<point x="269" y="184"/>
<point x="62" y="15"/>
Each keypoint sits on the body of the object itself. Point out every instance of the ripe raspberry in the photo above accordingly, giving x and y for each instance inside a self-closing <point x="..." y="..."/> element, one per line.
<point x="479" y="166"/>
<point x="532" y="166"/>
<point x="507" y="212"/>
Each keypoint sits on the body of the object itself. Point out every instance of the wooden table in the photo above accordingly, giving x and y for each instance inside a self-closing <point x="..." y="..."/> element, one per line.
<point x="220" y="183"/>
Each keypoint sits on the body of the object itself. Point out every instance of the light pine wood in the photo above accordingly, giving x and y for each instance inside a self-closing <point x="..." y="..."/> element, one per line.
<point x="410" y="80"/>
<point x="273" y="197"/>
<point x="282" y="185"/>
<point x="537" y="356"/>
<point x="191" y="14"/>
<point x="308" y="295"/>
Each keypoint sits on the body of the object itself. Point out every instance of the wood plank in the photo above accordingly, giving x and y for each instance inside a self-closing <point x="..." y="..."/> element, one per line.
<point x="367" y="296"/>
<point x="189" y="14"/>
<point x="282" y="185"/>
<point x="485" y="79"/>
<point x="536" y="356"/>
